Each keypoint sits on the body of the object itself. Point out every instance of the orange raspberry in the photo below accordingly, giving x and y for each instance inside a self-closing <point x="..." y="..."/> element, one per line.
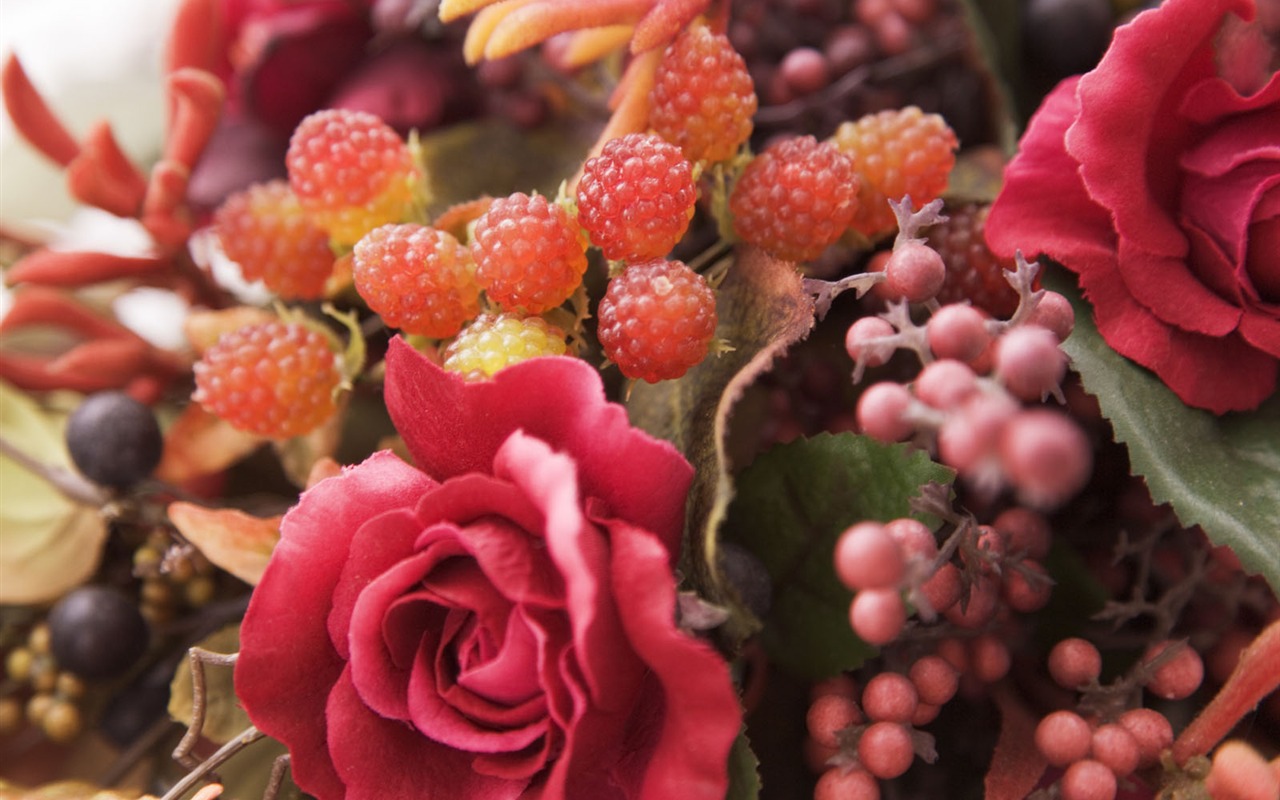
<point x="657" y="320"/>
<point x="274" y="379"/>
<point x="795" y="198"/>
<point x="636" y="198"/>
<point x="896" y="153"/>
<point x="352" y="172"/>
<point x="529" y="253"/>
<point x="703" y="99"/>
<point x="494" y="341"/>
<point x="418" y="279"/>
<point x="264" y="229"/>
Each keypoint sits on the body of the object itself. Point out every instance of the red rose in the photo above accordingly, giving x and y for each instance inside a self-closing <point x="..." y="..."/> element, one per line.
<point x="497" y="622"/>
<point x="1159" y="183"/>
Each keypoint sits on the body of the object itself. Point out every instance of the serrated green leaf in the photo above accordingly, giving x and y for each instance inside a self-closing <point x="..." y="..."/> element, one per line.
<point x="793" y="503"/>
<point x="763" y="309"/>
<point x="744" y="776"/>
<point x="1221" y="473"/>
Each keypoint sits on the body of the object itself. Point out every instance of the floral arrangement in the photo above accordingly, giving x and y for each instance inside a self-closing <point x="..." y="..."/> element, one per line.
<point x="655" y="399"/>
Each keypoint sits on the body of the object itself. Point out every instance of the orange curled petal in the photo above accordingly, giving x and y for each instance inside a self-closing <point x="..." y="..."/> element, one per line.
<point x="78" y="268"/>
<point x="197" y="37"/>
<point x="1254" y="677"/>
<point x="664" y="22"/>
<point x="103" y="176"/>
<point x="481" y="28"/>
<point x="164" y="211"/>
<point x="196" y="98"/>
<point x="34" y="305"/>
<point x="32" y="116"/>
<point x="199" y="444"/>
<point x="594" y="44"/>
<point x="452" y="9"/>
<point x="542" y="19"/>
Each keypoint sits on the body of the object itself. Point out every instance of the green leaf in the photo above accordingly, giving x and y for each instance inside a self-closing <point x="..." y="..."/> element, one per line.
<point x="744" y="776"/>
<point x="763" y="309"/>
<point x="1221" y="473"/>
<point x="792" y="505"/>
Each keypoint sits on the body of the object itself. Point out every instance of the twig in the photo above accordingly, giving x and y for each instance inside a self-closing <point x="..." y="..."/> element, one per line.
<point x="247" y="737"/>
<point x="198" y="658"/>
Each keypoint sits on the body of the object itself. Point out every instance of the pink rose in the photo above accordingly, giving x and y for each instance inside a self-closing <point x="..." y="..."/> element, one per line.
<point x="498" y="621"/>
<point x="1159" y="183"/>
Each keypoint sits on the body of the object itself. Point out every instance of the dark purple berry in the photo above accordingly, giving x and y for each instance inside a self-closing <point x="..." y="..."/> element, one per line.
<point x="1066" y="37"/>
<point x="114" y="440"/>
<point x="97" y="632"/>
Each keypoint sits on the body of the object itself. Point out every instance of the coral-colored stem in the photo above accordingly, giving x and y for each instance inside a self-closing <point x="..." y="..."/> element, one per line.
<point x="542" y="19"/>
<point x="164" y="211"/>
<point x="197" y="37"/>
<point x="196" y="98"/>
<point x="32" y="117"/>
<point x="664" y="22"/>
<point x="102" y="359"/>
<point x="1254" y="677"/>
<point x="35" y="305"/>
<point x="103" y="176"/>
<point x="78" y="268"/>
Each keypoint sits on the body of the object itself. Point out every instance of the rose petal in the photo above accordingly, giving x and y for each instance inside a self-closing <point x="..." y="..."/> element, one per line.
<point x="1043" y="207"/>
<point x="1213" y="99"/>
<point x="287" y="663"/>
<point x="1127" y="132"/>
<point x="556" y="399"/>
<point x="1234" y="142"/>
<point x="380" y="758"/>
<point x="581" y="552"/>
<point x="1262" y="263"/>
<point x="1224" y="207"/>
<point x="700" y="715"/>
<point x="1220" y="374"/>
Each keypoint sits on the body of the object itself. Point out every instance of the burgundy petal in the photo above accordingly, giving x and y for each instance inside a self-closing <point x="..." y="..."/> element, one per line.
<point x="557" y="399"/>
<point x="287" y="662"/>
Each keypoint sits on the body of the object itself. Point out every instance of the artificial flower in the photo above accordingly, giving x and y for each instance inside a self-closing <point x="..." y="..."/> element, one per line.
<point x="498" y="620"/>
<point x="1157" y="181"/>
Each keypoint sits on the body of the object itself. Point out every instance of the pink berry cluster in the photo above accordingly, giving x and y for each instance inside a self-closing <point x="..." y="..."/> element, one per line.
<point x="975" y="401"/>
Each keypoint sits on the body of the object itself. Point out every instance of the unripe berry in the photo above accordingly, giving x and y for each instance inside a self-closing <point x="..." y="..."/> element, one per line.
<point x="913" y="536"/>
<point x="890" y="697"/>
<point x="935" y="679"/>
<point x="957" y="331"/>
<point x="1027" y="586"/>
<point x="914" y="272"/>
<point x="1063" y="737"/>
<point x="882" y="412"/>
<point x="989" y="658"/>
<point x="1239" y="772"/>
<point x="867" y="557"/>
<point x="1180" y="674"/>
<point x="1088" y="780"/>
<point x="943" y="589"/>
<point x="1029" y="362"/>
<point x="1046" y="456"/>
<point x="1026" y="532"/>
<point x="981" y="607"/>
<point x="1054" y="312"/>
<point x="864" y="330"/>
<point x="877" y="615"/>
<point x="970" y="436"/>
<point x="925" y="713"/>
<point x="885" y="749"/>
<point x="1151" y="730"/>
<point x="1074" y="663"/>
<point x="945" y="384"/>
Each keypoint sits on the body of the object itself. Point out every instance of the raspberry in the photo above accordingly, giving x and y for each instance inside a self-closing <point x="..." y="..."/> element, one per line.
<point x="636" y="198"/>
<point x="702" y="99"/>
<point x="896" y="153"/>
<point x="417" y="278"/>
<point x="264" y="229"/>
<point x="795" y="198"/>
<point x="274" y="379"/>
<point x="657" y="320"/>
<point x="351" y="171"/>
<point x="974" y="273"/>
<point x="529" y="253"/>
<point x="494" y="341"/>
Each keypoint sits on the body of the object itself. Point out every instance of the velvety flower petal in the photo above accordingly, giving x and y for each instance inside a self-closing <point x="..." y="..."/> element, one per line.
<point x="1043" y="207"/>
<point x="379" y="758"/>
<point x="1127" y="132"/>
<point x="1213" y="99"/>
<point x="1220" y="374"/>
<point x="287" y="663"/>
<point x="559" y="400"/>
<point x="581" y="552"/>
<point x="1263" y="264"/>
<point x="700" y="714"/>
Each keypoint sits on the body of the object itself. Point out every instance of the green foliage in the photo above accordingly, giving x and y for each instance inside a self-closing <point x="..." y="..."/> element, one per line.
<point x="792" y="505"/>
<point x="1221" y="473"/>
<point x="744" y="778"/>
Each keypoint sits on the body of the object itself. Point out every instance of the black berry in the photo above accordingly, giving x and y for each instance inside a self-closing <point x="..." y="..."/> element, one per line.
<point x="97" y="632"/>
<point x="114" y="440"/>
<point x="1066" y="37"/>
